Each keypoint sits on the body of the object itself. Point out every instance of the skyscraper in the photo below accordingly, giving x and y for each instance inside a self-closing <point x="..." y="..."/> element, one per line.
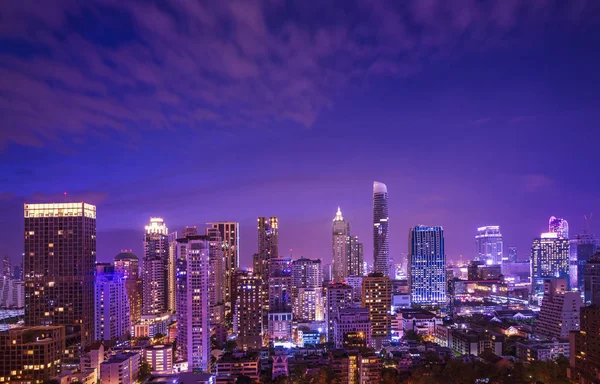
<point x="355" y="257"/>
<point x="591" y="280"/>
<point x="59" y="263"/>
<point x="489" y="244"/>
<point x="217" y="277"/>
<point x="268" y="245"/>
<point x="583" y="247"/>
<point x="306" y="274"/>
<point x="337" y="296"/>
<point x="156" y="253"/>
<point x="193" y="309"/>
<point x="427" y="266"/>
<point x="6" y="267"/>
<point x="127" y="265"/>
<point x="381" y="248"/>
<point x="112" y="309"/>
<point x="280" y="299"/>
<point x="377" y="298"/>
<point x="340" y="247"/>
<point x="230" y="240"/>
<point x="511" y="255"/>
<point x="171" y="273"/>
<point x="583" y="345"/>
<point x="248" y="311"/>
<point x="549" y="259"/>
<point x="559" y="226"/>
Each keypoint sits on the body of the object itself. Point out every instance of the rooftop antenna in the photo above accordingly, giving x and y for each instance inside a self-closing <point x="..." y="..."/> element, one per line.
<point x="65" y="194"/>
<point x="291" y="253"/>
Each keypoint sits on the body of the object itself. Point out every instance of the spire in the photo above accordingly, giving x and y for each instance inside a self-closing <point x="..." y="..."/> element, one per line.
<point x="338" y="215"/>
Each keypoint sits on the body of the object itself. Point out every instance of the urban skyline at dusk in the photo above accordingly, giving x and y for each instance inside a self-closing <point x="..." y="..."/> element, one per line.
<point x="298" y="192"/>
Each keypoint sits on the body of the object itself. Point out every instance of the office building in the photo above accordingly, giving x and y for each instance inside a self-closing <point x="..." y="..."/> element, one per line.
<point x="337" y="296"/>
<point x="356" y="283"/>
<point x="217" y="282"/>
<point x="111" y="307"/>
<point x="230" y="240"/>
<point x="268" y="245"/>
<point x="558" y="226"/>
<point x="583" y="247"/>
<point x="248" y="318"/>
<point x="127" y="265"/>
<point x="584" y="362"/>
<point x="279" y="290"/>
<point x="31" y="354"/>
<point x="356" y="257"/>
<point x="559" y="313"/>
<point x="488" y="243"/>
<point x="193" y="308"/>
<point x="352" y="328"/>
<point x="59" y="264"/>
<point x="6" y="267"/>
<point x="377" y="298"/>
<point x="310" y="304"/>
<point x="155" y="264"/>
<point x="427" y="266"/>
<point x="381" y="247"/>
<point x="591" y="280"/>
<point x="122" y="368"/>
<point x="340" y="247"/>
<point x="549" y="259"/>
<point x="306" y="274"/>
<point x="160" y="358"/>
<point x="171" y="273"/>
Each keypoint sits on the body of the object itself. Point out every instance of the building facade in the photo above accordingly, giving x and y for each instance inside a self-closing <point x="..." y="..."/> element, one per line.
<point x="427" y="266"/>
<point x="584" y="362"/>
<point x="155" y="265"/>
<point x="340" y="247"/>
<point x="307" y="275"/>
<point x="111" y="307"/>
<point x="559" y="313"/>
<point x="549" y="259"/>
<point x="381" y="247"/>
<point x="268" y="245"/>
<point x="356" y="257"/>
<point x="337" y="296"/>
<point x="489" y="245"/>
<point x="230" y="240"/>
<point x="591" y="280"/>
<point x="352" y="328"/>
<point x="248" y="323"/>
<point x="59" y="264"/>
<point x="377" y="298"/>
<point x="193" y="307"/>
<point x="127" y="265"/>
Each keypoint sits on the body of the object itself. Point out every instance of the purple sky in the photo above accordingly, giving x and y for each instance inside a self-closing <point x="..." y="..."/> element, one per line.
<point x="472" y="112"/>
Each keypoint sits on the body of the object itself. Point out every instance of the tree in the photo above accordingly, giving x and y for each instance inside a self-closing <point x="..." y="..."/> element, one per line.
<point x="230" y="345"/>
<point x="412" y="335"/>
<point x="145" y="371"/>
<point x="244" y="380"/>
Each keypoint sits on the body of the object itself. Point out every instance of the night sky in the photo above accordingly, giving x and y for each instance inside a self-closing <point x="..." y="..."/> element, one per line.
<point x="472" y="112"/>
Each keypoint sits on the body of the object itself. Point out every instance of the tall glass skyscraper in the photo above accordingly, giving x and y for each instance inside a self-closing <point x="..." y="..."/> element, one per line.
<point x="381" y="248"/>
<point x="427" y="266"/>
<point x="155" y="263"/>
<point x="488" y="243"/>
<point x="340" y="250"/>
<point x="59" y="265"/>
<point x="549" y="259"/>
<point x="268" y="245"/>
<point x="583" y="247"/>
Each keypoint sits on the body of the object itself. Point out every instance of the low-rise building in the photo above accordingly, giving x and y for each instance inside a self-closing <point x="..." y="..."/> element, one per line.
<point x="233" y="365"/>
<point x="352" y="328"/>
<point x="160" y="358"/>
<point x="369" y="368"/>
<point x="418" y="320"/>
<point x="528" y="351"/>
<point x="120" y="369"/>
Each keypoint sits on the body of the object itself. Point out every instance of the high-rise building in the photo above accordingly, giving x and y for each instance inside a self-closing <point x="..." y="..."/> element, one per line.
<point x="217" y="283"/>
<point x="337" y="296"/>
<point x="549" y="259"/>
<point x="511" y="255"/>
<point x="381" y="247"/>
<point x="171" y="273"/>
<point x="427" y="266"/>
<point x="248" y="317"/>
<point x="488" y="243"/>
<point x="112" y="309"/>
<point x="583" y="247"/>
<point x="6" y="267"/>
<point x="584" y="352"/>
<point x="340" y="247"/>
<point x="591" y="280"/>
<point x="193" y="309"/>
<point x="230" y="240"/>
<point x="559" y="226"/>
<point x="268" y="245"/>
<point x="377" y="298"/>
<point x="31" y="354"/>
<point x="127" y="264"/>
<point x="355" y="257"/>
<point x="155" y="263"/>
<point x="559" y="313"/>
<point x="59" y="264"/>
<point x="306" y="274"/>
<point x="280" y="299"/>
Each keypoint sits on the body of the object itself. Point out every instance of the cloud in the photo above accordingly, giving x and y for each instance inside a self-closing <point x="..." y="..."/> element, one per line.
<point x="482" y="120"/>
<point x="537" y="182"/>
<point x="74" y="71"/>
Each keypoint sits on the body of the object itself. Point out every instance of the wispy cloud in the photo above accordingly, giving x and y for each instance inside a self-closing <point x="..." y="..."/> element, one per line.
<point x="537" y="182"/>
<point x="234" y="63"/>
